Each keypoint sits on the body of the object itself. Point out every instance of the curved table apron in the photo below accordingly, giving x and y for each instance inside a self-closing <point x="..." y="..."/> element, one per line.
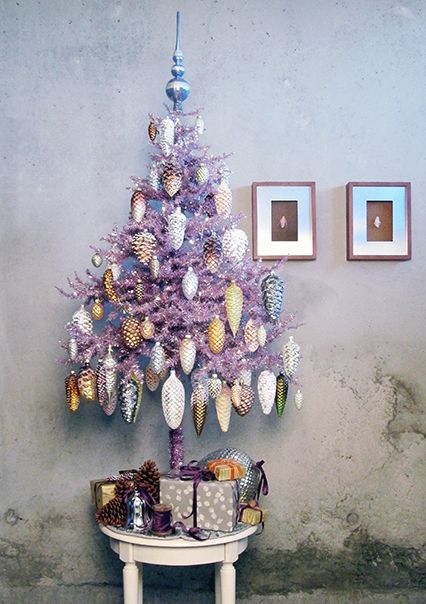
<point x="222" y="551"/>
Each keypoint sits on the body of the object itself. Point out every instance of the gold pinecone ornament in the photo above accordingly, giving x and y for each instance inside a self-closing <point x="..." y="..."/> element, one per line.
<point x="71" y="391"/>
<point x="109" y="285"/>
<point x="82" y="319"/>
<point x="131" y="332"/>
<point x="250" y="336"/>
<point x="187" y="354"/>
<point x="152" y="131"/>
<point x="223" y="199"/>
<point x="152" y="379"/>
<point x="147" y="329"/>
<point x="234" y="306"/>
<point x="172" y="178"/>
<point x="154" y="266"/>
<point x="261" y="335"/>
<point x="166" y="135"/>
<point x="212" y="253"/>
<point x="216" y="335"/>
<point x="291" y="356"/>
<point x="139" y="290"/>
<point x="137" y="206"/>
<point x="266" y="387"/>
<point x="173" y="400"/>
<point x="143" y="246"/>
<point x="235" y="244"/>
<point x="97" y="310"/>
<point x="86" y="381"/>
<point x="214" y="386"/>
<point x="201" y="174"/>
<point x="223" y="407"/>
<point x="245" y="400"/>
<point x="281" y="393"/>
<point x="199" y="405"/>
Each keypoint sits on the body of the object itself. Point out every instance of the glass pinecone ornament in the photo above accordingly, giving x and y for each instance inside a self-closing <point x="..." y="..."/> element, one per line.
<point x="172" y="178"/>
<point x="110" y="366"/>
<point x="152" y="379"/>
<point x="86" y="381"/>
<point x="82" y="319"/>
<point x="143" y="246"/>
<point x="212" y="253"/>
<point x="97" y="310"/>
<point x="187" y="354"/>
<point x="176" y="222"/>
<point x="173" y="400"/>
<point x="158" y="358"/>
<point x="216" y="335"/>
<point x="199" y="125"/>
<point x="235" y="244"/>
<point x="250" y="336"/>
<point x="245" y="400"/>
<point x="199" y="406"/>
<point x="291" y="356"/>
<point x="152" y="131"/>
<point x="261" y="335"/>
<point x="166" y="135"/>
<point x="130" y="397"/>
<point x="190" y="283"/>
<point x="234" y="306"/>
<point x="249" y="482"/>
<point x="139" y="290"/>
<point x="154" y="178"/>
<point x="97" y="260"/>
<point x="71" y="391"/>
<point x="201" y="174"/>
<point x="154" y="266"/>
<point x="109" y="285"/>
<point x="113" y="513"/>
<point x="116" y="270"/>
<point x="72" y="349"/>
<point x="130" y="331"/>
<point x="101" y="389"/>
<point x="214" y="386"/>
<point x="223" y="407"/>
<point x="148" y="478"/>
<point x="223" y="199"/>
<point x="266" y="386"/>
<point x="147" y="329"/>
<point x="137" y="206"/>
<point x="281" y="393"/>
<point x="298" y="400"/>
<point x="272" y="288"/>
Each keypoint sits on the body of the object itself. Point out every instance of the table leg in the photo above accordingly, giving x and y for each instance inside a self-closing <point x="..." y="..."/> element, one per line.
<point x="218" y="596"/>
<point x="131" y="583"/>
<point x="140" y="585"/>
<point x="227" y="583"/>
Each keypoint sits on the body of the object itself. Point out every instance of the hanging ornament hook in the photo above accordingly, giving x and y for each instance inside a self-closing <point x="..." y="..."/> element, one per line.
<point x="177" y="88"/>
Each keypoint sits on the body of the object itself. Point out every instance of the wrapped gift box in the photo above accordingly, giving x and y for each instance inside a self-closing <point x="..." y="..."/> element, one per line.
<point x="102" y="491"/>
<point x="217" y="502"/>
<point x="226" y="469"/>
<point x="253" y="514"/>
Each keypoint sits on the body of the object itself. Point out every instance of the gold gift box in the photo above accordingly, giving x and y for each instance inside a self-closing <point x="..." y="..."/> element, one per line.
<point x="254" y="515"/>
<point x="103" y="489"/>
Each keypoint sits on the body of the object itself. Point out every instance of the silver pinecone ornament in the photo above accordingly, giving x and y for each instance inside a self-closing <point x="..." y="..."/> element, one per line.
<point x="154" y="266"/>
<point x="72" y="349"/>
<point x="115" y="270"/>
<point x="154" y="178"/>
<point x="110" y="367"/>
<point x="176" y="226"/>
<point x="201" y="174"/>
<point x="214" y="386"/>
<point x="190" y="283"/>
<point x="266" y="386"/>
<point x="173" y="400"/>
<point x="291" y="357"/>
<point x="157" y="358"/>
<point x="235" y="244"/>
<point x="130" y="397"/>
<point x="83" y="320"/>
<point x="101" y="392"/>
<point x="97" y="260"/>
<point x="223" y="199"/>
<point x="167" y="135"/>
<point x="298" y="399"/>
<point x="187" y="353"/>
<point x="245" y="377"/>
<point x="272" y="293"/>
<point x="137" y="206"/>
<point x="223" y="407"/>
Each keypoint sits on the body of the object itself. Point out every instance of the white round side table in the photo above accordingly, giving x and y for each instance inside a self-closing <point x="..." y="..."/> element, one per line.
<point x="134" y="549"/>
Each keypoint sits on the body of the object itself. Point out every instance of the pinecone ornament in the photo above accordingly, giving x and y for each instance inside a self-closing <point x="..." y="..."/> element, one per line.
<point x="187" y="354"/>
<point x="245" y="377"/>
<point x="82" y="319"/>
<point x="201" y="174"/>
<point x="250" y="336"/>
<point x="189" y="283"/>
<point x="97" y="310"/>
<point x="214" y="386"/>
<point x="130" y="331"/>
<point x="281" y="393"/>
<point x="235" y="244"/>
<point x="116" y="270"/>
<point x="172" y="178"/>
<point x="216" y="335"/>
<point x="154" y="266"/>
<point x="236" y="394"/>
<point x="223" y="407"/>
<point x="97" y="260"/>
<point x="234" y="306"/>
<point x="166" y="135"/>
<point x="212" y="253"/>
<point x="71" y="391"/>
<point x="148" y="478"/>
<point x="173" y="400"/>
<point x="199" y="125"/>
<point x="72" y="349"/>
<point x="101" y="389"/>
<point x="143" y="246"/>
<point x="110" y="366"/>
<point x="130" y="397"/>
<point x="152" y="131"/>
<point x="152" y="379"/>
<point x="199" y="406"/>
<point x="109" y="285"/>
<point x="137" y="206"/>
<point x="272" y="293"/>
<point x="298" y="400"/>
<point x="261" y="335"/>
<point x="147" y="329"/>
<point x="223" y="199"/>
<point x="291" y="357"/>
<point x="139" y="290"/>
<point x="158" y="358"/>
<point x="266" y="386"/>
<point x="176" y="222"/>
<point x="86" y="381"/>
<point x="113" y="513"/>
<point x="154" y="178"/>
<point x="245" y="400"/>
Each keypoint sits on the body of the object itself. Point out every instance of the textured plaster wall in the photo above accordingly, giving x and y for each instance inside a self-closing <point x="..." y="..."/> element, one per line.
<point x="298" y="90"/>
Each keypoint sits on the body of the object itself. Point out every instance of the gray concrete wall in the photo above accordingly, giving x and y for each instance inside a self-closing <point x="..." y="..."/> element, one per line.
<point x="298" y="90"/>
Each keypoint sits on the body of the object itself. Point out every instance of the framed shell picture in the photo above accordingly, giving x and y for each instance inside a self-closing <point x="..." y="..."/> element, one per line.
<point x="378" y="216"/>
<point x="284" y="221"/>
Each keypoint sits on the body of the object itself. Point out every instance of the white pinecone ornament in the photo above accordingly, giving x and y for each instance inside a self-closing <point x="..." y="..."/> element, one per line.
<point x="245" y="377"/>
<point x="83" y="320"/>
<point x="291" y="357"/>
<point x="261" y="335"/>
<point x="250" y="336"/>
<point x="190" y="283"/>
<point x="137" y="206"/>
<point x="154" y="178"/>
<point x="214" y="386"/>
<point x="187" y="353"/>
<point x="166" y="135"/>
<point x="143" y="246"/>
<point x="235" y="244"/>
<point x="173" y="400"/>
<point x="223" y="407"/>
<point x="115" y="270"/>
<point x="72" y="349"/>
<point x="266" y="386"/>
<point x="158" y="358"/>
<point x="201" y="174"/>
<point x="176" y="222"/>
<point x="223" y="199"/>
<point x="298" y="400"/>
<point x="154" y="266"/>
<point x="199" y="125"/>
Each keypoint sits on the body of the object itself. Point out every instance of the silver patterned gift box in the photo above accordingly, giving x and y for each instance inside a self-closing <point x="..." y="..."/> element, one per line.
<point x="217" y="502"/>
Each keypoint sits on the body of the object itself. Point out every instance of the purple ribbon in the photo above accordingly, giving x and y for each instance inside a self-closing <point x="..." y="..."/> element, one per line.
<point x="197" y="474"/>
<point x="263" y="486"/>
<point x="194" y="531"/>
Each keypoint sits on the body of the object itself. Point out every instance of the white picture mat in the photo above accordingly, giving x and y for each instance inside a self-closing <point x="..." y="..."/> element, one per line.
<point x="265" y="245"/>
<point x="399" y="244"/>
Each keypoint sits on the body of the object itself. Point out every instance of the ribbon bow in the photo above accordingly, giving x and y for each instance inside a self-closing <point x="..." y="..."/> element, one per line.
<point x="193" y="471"/>
<point x="263" y="486"/>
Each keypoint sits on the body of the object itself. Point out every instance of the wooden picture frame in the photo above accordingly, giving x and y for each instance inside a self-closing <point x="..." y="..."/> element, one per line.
<point x="378" y="220"/>
<point x="284" y="220"/>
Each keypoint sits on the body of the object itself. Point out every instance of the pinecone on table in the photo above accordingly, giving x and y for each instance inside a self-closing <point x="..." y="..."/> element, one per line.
<point x="113" y="513"/>
<point x="123" y="488"/>
<point x="148" y="477"/>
